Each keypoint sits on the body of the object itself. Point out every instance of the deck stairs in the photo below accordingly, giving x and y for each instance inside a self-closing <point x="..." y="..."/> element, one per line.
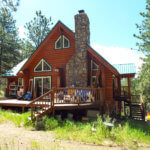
<point x="133" y="107"/>
<point x="136" y="107"/>
<point x="137" y="111"/>
<point x="41" y="112"/>
<point x="42" y="105"/>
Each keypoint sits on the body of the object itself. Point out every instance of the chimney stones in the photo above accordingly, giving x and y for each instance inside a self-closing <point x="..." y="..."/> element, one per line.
<point x="77" y="68"/>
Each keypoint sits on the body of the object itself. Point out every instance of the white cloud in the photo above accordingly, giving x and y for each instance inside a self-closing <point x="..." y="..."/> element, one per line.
<point x="21" y="31"/>
<point x="118" y="55"/>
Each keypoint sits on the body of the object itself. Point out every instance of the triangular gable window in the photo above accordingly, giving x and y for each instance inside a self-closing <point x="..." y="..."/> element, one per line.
<point x="42" y="66"/>
<point x="62" y="42"/>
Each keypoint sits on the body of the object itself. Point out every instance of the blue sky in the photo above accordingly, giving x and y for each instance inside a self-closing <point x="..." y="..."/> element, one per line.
<point x="112" y="22"/>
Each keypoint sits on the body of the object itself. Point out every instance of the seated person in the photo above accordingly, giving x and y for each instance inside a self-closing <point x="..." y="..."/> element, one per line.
<point x="20" y="92"/>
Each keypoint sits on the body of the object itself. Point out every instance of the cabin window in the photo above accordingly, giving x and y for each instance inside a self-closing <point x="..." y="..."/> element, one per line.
<point x="95" y="66"/>
<point x="42" y="66"/>
<point x="62" y="42"/>
<point x="93" y="80"/>
<point x="58" y="43"/>
<point x="20" y="82"/>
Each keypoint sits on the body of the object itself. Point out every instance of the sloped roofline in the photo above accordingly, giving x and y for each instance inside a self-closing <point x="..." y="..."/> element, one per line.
<point x="125" y="69"/>
<point x="14" y="71"/>
<point x="45" y="39"/>
<point x="107" y="64"/>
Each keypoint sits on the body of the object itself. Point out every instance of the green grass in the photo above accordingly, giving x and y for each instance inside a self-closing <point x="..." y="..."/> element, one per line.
<point x="18" y="119"/>
<point x="127" y="133"/>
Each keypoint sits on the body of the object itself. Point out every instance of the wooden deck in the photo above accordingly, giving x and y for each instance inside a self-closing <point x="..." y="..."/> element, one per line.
<point x="25" y="103"/>
<point x="14" y="103"/>
<point x="59" y="99"/>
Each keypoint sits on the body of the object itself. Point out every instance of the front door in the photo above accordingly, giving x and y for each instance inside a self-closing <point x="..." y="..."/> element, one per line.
<point x="42" y="84"/>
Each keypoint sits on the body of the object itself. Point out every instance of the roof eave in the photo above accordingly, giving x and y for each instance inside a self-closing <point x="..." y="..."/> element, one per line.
<point x="109" y="65"/>
<point x="45" y="39"/>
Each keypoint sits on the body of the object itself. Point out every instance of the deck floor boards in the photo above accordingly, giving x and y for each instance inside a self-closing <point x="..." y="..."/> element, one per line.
<point x="24" y="103"/>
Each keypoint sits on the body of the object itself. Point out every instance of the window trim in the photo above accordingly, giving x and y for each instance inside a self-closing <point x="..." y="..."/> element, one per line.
<point x="94" y="63"/>
<point x="62" y="37"/>
<point x="43" y="60"/>
<point x="60" y="43"/>
<point x="21" y="82"/>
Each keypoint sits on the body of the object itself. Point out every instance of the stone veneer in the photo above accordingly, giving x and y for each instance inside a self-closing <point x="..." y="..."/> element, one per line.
<point x="77" y="67"/>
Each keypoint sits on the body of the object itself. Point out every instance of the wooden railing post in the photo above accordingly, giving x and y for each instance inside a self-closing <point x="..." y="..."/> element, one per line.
<point x="31" y="113"/>
<point x="100" y="100"/>
<point x="142" y="108"/>
<point x="52" y="102"/>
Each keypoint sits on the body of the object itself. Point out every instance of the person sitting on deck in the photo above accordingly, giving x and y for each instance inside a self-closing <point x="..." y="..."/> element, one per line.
<point x="20" y="92"/>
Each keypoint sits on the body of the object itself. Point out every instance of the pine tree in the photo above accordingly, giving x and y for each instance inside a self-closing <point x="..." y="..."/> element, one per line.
<point x="9" y="53"/>
<point x="10" y="4"/>
<point x="27" y="48"/>
<point x="143" y="81"/>
<point x="38" y="28"/>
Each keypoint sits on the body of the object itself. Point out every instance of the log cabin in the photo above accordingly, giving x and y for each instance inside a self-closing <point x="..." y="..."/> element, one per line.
<point x="65" y="72"/>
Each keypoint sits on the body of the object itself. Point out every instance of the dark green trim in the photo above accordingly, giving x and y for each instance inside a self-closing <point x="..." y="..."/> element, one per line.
<point x="61" y="37"/>
<point x="43" y="71"/>
<point x="46" y="37"/>
<point x="5" y="74"/>
<point x="102" y="57"/>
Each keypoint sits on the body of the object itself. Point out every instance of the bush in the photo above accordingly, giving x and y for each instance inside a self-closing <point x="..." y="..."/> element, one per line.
<point x="127" y="133"/>
<point x="51" y="123"/>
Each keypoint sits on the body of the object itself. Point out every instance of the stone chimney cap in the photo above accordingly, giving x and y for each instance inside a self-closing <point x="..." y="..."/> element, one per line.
<point x="81" y="11"/>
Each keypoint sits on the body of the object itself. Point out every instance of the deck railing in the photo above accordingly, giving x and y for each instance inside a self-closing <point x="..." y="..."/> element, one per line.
<point x="46" y="102"/>
<point x="78" y="95"/>
<point x="136" y="99"/>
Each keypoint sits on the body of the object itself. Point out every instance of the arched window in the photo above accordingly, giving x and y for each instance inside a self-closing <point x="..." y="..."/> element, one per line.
<point x="42" y="66"/>
<point x="62" y="42"/>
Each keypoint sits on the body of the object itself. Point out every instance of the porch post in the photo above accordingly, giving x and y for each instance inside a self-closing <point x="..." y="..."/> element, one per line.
<point x="91" y="71"/>
<point x="119" y="93"/>
<point x="103" y="91"/>
<point x="129" y="89"/>
<point x="129" y="95"/>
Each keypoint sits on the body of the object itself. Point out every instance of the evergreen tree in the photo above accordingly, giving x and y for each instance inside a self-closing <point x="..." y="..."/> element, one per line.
<point x="143" y="80"/>
<point x="38" y="28"/>
<point x="10" y="4"/>
<point x="9" y="54"/>
<point x="27" y="48"/>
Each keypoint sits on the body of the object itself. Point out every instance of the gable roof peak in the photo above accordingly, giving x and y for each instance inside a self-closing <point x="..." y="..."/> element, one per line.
<point x="59" y="21"/>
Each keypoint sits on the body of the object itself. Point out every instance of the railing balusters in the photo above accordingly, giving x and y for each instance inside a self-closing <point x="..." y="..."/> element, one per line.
<point x="66" y="95"/>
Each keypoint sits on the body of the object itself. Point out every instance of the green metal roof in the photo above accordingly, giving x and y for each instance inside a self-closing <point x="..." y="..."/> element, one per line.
<point x="125" y="68"/>
<point x="121" y="68"/>
<point x="13" y="72"/>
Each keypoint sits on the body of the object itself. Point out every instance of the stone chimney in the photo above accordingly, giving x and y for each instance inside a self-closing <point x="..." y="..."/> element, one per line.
<point x="77" y="67"/>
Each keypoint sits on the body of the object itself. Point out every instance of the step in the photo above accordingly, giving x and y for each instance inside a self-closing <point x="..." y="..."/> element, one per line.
<point x="136" y="114"/>
<point x="45" y="108"/>
<point x="135" y="105"/>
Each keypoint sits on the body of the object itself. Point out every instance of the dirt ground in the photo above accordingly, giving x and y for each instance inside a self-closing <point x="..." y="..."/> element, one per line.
<point x="13" y="138"/>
